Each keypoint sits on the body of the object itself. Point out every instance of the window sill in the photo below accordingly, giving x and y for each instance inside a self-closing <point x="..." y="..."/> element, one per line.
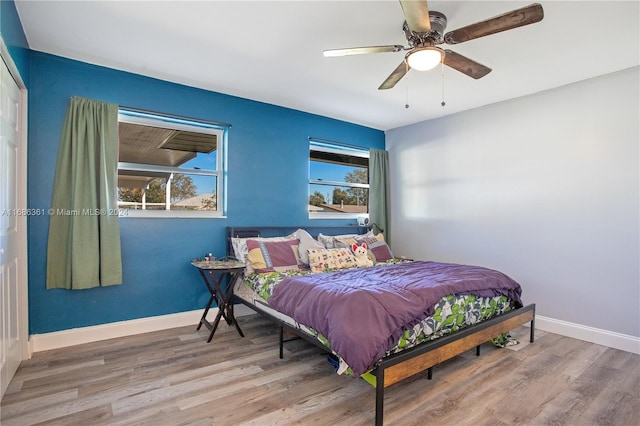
<point x="170" y="214"/>
<point x="336" y="215"/>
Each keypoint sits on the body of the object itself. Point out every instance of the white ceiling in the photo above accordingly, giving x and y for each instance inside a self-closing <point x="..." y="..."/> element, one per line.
<point x="272" y="51"/>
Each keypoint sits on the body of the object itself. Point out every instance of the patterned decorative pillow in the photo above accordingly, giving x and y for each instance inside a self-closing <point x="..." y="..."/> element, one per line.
<point x="269" y="256"/>
<point x="240" y="245"/>
<point x="321" y="260"/>
<point x="379" y="251"/>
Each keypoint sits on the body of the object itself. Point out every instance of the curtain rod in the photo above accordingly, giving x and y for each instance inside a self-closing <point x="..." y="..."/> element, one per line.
<point x="347" y="145"/>
<point x="178" y="117"/>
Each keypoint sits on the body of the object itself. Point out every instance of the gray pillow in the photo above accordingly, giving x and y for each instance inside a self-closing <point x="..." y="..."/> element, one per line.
<point x="306" y="242"/>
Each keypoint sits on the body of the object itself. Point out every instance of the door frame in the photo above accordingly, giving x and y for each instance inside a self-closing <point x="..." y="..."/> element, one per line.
<point x="23" y="284"/>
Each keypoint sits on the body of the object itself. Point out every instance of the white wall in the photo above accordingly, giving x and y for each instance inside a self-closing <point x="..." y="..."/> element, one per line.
<point x="544" y="187"/>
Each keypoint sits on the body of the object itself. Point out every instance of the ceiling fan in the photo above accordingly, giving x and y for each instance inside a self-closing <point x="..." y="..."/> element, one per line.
<point x="425" y="30"/>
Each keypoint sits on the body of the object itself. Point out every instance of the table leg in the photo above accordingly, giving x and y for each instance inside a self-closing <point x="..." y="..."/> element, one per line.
<point x="223" y="300"/>
<point x="225" y="304"/>
<point x="206" y="311"/>
<point x="214" y="326"/>
<point x="235" y="322"/>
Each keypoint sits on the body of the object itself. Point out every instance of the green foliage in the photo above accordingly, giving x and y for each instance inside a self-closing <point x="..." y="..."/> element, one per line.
<point x="340" y="196"/>
<point x="316" y="199"/>
<point x="358" y="196"/>
<point x="181" y="187"/>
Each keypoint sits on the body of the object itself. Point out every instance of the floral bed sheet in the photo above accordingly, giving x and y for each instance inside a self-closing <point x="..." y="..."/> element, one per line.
<point x="452" y="313"/>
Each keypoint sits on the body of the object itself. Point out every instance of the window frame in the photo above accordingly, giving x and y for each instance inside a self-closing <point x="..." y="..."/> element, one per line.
<point x="154" y="119"/>
<point x="323" y="145"/>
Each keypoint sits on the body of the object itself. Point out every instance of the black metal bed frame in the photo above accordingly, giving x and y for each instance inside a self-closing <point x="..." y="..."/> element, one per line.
<point x="423" y="357"/>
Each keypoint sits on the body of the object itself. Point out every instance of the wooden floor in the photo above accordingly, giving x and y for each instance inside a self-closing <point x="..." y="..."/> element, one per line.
<point x="174" y="377"/>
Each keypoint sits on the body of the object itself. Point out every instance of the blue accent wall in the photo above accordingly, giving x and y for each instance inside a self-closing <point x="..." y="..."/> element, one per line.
<point x="267" y="185"/>
<point x="14" y="38"/>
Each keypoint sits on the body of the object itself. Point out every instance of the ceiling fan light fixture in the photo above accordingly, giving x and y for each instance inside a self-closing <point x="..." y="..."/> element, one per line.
<point x="424" y="58"/>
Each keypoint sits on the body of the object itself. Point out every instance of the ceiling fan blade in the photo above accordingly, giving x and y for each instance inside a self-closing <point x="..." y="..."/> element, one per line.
<point x="514" y="19"/>
<point x="465" y="65"/>
<point x="416" y="14"/>
<point x="362" y="50"/>
<point x="395" y="76"/>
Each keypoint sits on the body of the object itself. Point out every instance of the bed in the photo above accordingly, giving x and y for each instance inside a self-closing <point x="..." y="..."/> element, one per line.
<point x="385" y="322"/>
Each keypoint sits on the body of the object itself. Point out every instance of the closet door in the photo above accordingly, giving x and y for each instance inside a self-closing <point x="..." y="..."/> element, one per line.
<point x="12" y="231"/>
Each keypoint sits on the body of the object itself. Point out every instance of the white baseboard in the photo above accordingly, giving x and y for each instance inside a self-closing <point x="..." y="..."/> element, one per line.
<point x="611" y="339"/>
<point x="77" y="336"/>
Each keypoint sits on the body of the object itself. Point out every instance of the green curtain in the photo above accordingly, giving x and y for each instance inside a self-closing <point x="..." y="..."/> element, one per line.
<point x="379" y="197"/>
<point x="84" y="232"/>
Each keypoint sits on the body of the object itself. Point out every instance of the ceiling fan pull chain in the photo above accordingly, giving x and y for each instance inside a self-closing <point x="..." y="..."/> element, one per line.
<point x="406" y="105"/>
<point x="443" y="103"/>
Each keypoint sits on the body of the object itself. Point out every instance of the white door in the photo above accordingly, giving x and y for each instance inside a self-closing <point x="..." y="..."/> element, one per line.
<point x="13" y="332"/>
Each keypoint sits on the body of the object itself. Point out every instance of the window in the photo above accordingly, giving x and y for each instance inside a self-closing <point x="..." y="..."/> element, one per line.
<point x="170" y="166"/>
<point x="338" y="180"/>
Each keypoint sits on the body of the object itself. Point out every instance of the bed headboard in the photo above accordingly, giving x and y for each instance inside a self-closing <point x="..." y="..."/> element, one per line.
<point x="277" y="231"/>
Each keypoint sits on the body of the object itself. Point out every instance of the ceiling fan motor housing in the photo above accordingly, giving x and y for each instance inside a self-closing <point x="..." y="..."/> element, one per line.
<point x="438" y="22"/>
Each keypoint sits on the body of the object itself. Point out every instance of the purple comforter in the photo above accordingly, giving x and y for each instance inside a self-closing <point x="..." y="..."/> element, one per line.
<point x="364" y="311"/>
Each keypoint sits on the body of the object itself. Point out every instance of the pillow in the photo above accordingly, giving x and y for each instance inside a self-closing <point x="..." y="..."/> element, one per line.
<point x="239" y="246"/>
<point x="321" y="260"/>
<point x="269" y="256"/>
<point x="378" y="249"/>
<point x="326" y="241"/>
<point x="307" y="242"/>
<point x="329" y="240"/>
